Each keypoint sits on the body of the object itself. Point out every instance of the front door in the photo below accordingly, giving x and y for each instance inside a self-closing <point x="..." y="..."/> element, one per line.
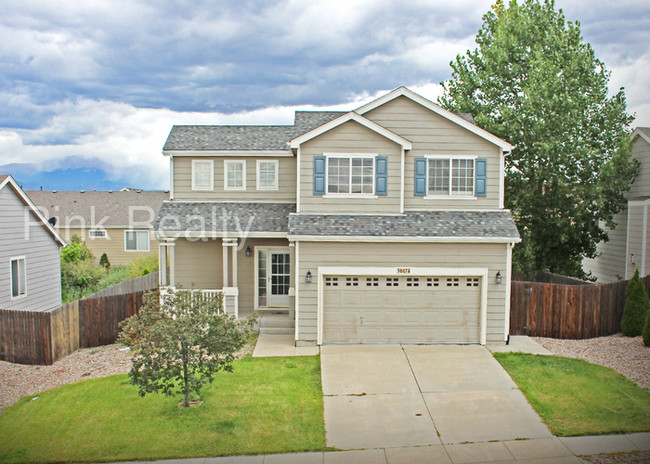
<point x="279" y="275"/>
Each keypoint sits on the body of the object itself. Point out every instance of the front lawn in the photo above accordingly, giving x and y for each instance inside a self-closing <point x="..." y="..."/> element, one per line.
<point x="575" y="397"/>
<point x="268" y="405"/>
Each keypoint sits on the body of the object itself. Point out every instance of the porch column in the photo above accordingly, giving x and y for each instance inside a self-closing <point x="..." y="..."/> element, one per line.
<point x="162" y="264"/>
<point x="234" y="263"/>
<point x="225" y="262"/>
<point x="172" y="264"/>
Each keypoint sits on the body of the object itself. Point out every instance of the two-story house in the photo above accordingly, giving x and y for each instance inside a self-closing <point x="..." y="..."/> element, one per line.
<point x="384" y="224"/>
<point x="30" y="264"/>
<point x="628" y="247"/>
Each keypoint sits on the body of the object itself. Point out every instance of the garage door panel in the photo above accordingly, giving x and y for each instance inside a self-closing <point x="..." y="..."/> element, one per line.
<point x="370" y="309"/>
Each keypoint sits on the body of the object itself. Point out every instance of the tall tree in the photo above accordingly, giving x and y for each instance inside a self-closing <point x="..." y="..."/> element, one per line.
<point x="534" y="82"/>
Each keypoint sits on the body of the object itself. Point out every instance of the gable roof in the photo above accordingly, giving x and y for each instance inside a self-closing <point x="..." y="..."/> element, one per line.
<point x="643" y="132"/>
<point x="100" y="208"/>
<point x="5" y="180"/>
<point x="457" y="119"/>
<point x="351" y="116"/>
<point x="245" y="137"/>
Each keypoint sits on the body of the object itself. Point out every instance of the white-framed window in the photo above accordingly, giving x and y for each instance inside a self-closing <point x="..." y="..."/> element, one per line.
<point x="202" y="175"/>
<point x="450" y="176"/>
<point x="234" y="174"/>
<point x="97" y="233"/>
<point x="350" y="174"/>
<point x="136" y="240"/>
<point x="18" y="275"/>
<point x="267" y="174"/>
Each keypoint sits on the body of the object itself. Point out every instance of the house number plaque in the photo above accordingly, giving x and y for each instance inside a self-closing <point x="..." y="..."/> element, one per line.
<point x="403" y="270"/>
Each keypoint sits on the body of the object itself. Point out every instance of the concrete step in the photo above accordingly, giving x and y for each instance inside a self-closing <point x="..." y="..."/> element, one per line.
<point x="277" y="321"/>
<point x="277" y="330"/>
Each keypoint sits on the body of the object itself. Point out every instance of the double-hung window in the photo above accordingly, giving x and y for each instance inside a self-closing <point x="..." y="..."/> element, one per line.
<point x="136" y="240"/>
<point x="450" y="177"/>
<point x="267" y="175"/>
<point x="234" y="174"/>
<point x="202" y="174"/>
<point x="350" y="174"/>
<point x="18" y="278"/>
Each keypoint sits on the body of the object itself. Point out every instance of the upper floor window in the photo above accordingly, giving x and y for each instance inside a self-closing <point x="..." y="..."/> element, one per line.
<point x="350" y="174"/>
<point x="136" y="240"/>
<point x="267" y="175"/>
<point x="97" y="233"/>
<point x="450" y="176"/>
<point x="202" y="175"/>
<point x="18" y="278"/>
<point x="234" y="175"/>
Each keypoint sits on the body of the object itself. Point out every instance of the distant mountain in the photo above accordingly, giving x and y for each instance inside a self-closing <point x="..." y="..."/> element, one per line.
<point x="80" y="178"/>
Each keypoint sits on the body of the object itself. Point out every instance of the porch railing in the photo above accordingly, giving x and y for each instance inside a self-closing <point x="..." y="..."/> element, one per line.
<point x="203" y="293"/>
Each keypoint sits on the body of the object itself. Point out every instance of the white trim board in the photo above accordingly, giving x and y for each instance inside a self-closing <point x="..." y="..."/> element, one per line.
<point x="394" y="272"/>
<point x="351" y="116"/>
<point x="403" y="91"/>
<point x="277" y="153"/>
<point x="373" y="238"/>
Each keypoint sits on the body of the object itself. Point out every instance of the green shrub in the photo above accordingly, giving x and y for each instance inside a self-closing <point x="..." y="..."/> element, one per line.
<point x="636" y="308"/>
<point x="145" y="271"/>
<point x="646" y="330"/>
<point x="104" y="262"/>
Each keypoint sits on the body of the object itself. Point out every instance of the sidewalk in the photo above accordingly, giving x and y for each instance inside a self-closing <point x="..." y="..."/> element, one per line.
<point x="545" y="451"/>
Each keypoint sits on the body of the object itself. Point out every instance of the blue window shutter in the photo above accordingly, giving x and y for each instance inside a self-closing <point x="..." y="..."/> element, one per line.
<point x="480" y="168"/>
<point x="381" y="175"/>
<point x="319" y="175"/>
<point x="420" y="177"/>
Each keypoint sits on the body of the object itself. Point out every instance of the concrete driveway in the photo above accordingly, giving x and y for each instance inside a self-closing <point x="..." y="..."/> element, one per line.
<point x="394" y="396"/>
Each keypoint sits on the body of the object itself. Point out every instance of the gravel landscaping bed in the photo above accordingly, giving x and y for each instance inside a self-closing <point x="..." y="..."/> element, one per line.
<point x="18" y="380"/>
<point x="626" y="355"/>
<point x="641" y="457"/>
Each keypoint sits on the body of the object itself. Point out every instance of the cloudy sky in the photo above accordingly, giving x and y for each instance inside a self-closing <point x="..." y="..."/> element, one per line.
<point x="89" y="89"/>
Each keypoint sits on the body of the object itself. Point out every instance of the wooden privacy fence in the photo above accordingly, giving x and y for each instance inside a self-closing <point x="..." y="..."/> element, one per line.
<point x="42" y="337"/>
<point x="567" y="311"/>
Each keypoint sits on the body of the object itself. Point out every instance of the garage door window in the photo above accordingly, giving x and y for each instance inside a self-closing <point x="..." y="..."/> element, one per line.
<point x="453" y="282"/>
<point x="412" y="282"/>
<point x="392" y="282"/>
<point x="433" y="282"/>
<point x="372" y="282"/>
<point x="472" y="282"/>
<point x="331" y="281"/>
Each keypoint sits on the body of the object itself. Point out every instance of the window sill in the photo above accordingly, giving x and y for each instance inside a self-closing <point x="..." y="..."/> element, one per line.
<point x="267" y="189"/>
<point x="231" y="189"/>
<point x="19" y="297"/>
<point x="202" y="189"/>
<point x="137" y="251"/>
<point x="449" y="197"/>
<point x="350" y="195"/>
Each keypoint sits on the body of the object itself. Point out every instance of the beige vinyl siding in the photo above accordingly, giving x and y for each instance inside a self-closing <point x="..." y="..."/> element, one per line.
<point x="199" y="264"/>
<point x="315" y="254"/>
<point x="641" y="186"/>
<point x="350" y="137"/>
<point x="41" y="252"/>
<point x="635" y="239"/>
<point x="609" y="266"/>
<point x="286" y="181"/>
<point x="113" y="244"/>
<point x="432" y="134"/>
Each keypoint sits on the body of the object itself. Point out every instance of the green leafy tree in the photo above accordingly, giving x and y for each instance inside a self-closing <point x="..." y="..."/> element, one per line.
<point x="646" y="330"/>
<point x="180" y="341"/>
<point x="637" y="305"/>
<point x="76" y="251"/>
<point x="534" y="82"/>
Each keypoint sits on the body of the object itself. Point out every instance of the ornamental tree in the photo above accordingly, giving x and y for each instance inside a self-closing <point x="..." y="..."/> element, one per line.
<point x="180" y="341"/>
<point x="637" y="306"/>
<point x="534" y="82"/>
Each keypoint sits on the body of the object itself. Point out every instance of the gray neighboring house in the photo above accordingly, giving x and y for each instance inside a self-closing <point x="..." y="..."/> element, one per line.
<point x="628" y="247"/>
<point x="30" y="263"/>
<point x="384" y="224"/>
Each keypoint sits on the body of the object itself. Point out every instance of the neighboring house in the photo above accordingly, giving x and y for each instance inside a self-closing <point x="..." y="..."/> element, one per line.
<point x="30" y="265"/>
<point x="380" y="225"/>
<point x="117" y="223"/>
<point x="628" y="247"/>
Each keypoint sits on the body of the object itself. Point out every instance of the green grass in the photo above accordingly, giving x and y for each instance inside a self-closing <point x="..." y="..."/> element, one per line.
<point x="575" y="397"/>
<point x="268" y="405"/>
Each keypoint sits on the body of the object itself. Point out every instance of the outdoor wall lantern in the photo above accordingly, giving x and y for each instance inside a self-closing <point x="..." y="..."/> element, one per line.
<point x="498" y="277"/>
<point x="308" y="277"/>
<point x="248" y="252"/>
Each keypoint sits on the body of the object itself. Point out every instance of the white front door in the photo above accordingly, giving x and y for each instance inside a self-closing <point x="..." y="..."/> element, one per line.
<point x="273" y="278"/>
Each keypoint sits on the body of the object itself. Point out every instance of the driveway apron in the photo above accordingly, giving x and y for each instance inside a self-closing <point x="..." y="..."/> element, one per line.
<point x="392" y="395"/>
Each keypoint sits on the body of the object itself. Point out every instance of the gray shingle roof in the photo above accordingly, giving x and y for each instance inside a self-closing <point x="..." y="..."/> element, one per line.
<point x="196" y="138"/>
<point x="69" y="206"/>
<point x="177" y="216"/>
<point x="645" y="130"/>
<point x="452" y="224"/>
<point x="3" y="177"/>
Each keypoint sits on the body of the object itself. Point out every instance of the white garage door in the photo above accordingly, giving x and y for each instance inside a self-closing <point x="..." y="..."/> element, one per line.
<point x="373" y="309"/>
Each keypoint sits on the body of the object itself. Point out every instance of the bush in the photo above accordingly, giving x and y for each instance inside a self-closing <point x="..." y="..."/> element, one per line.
<point x="104" y="262"/>
<point x="636" y="308"/>
<point x="76" y="251"/>
<point x="646" y="330"/>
